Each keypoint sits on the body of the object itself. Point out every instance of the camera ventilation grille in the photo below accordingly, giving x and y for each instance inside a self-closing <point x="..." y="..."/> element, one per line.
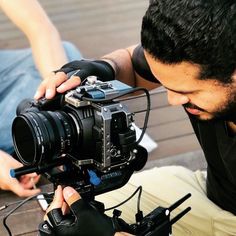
<point x="88" y="112"/>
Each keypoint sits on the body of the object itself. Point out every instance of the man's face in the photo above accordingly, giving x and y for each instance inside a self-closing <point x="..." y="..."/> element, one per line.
<point x="206" y="99"/>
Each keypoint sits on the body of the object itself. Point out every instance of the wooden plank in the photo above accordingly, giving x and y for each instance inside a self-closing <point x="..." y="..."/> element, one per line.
<point x="162" y="116"/>
<point x="34" y="233"/>
<point x="175" y="146"/>
<point x="26" y="219"/>
<point x="170" y="130"/>
<point x="139" y="103"/>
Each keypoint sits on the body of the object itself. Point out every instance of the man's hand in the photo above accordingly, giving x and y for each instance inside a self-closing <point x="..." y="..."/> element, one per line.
<point x="85" y="220"/>
<point x="50" y="85"/>
<point x="23" y="186"/>
<point x="59" y="82"/>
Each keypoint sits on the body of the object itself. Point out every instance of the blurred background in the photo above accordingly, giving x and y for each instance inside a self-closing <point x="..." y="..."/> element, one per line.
<point x="99" y="27"/>
<point x="96" y="27"/>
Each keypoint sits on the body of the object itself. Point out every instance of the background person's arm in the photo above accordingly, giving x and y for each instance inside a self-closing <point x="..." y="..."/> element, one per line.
<point x="44" y="39"/>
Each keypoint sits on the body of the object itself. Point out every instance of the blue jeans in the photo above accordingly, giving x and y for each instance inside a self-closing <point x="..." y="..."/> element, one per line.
<point x="19" y="79"/>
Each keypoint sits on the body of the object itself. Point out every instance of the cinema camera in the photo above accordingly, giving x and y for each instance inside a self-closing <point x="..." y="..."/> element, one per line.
<point x="82" y="138"/>
<point x="85" y="139"/>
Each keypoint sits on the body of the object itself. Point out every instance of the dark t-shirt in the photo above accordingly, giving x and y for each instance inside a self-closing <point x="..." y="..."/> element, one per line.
<point x="218" y="146"/>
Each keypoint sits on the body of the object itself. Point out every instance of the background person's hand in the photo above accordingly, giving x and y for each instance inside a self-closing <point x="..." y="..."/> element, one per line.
<point x="22" y="187"/>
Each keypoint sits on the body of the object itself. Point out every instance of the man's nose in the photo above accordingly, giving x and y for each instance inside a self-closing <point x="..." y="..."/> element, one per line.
<point x="176" y="98"/>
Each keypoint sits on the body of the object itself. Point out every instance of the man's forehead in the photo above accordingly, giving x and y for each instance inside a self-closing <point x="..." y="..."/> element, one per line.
<point x="184" y="69"/>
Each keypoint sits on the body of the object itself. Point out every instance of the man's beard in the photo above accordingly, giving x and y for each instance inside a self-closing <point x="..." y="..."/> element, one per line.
<point x="228" y="113"/>
<point x="224" y="113"/>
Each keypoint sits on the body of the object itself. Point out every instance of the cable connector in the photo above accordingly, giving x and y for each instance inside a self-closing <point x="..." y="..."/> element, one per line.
<point x="116" y="213"/>
<point x="139" y="216"/>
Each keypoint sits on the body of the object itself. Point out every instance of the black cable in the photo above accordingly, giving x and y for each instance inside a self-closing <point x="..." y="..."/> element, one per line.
<point x="139" y="198"/>
<point x="15" y="208"/>
<point x="126" y="200"/>
<point x="3" y="207"/>
<point x="146" y="115"/>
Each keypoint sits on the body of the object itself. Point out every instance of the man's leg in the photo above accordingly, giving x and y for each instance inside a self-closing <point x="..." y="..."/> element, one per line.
<point x="162" y="187"/>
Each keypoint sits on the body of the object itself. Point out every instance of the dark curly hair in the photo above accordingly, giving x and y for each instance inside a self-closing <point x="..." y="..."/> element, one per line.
<point x="197" y="31"/>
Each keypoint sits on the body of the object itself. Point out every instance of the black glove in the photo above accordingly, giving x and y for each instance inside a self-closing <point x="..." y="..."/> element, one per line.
<point x="85" y="68"/>
<point x="84" y="221"/>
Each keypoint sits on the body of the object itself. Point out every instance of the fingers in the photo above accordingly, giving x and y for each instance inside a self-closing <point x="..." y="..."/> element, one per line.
<point x="18" y="189"/>
<point x="33" y="177"/>
<point x="123" y="234"/>
<point x="29" y="182"/>
<point x="57" y="201"/>
<point x="65" y="208"/>
<point x="49" y="85"/>
<point x="69" y="84"/>
<point x="61" y="201"/>
<point x="56" y="83"/>
<point x="24" y="188"/>
<point x="70" y="195"/>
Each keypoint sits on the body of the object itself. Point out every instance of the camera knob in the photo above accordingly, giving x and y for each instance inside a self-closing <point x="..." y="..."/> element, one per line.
<point x="94" y="179"/>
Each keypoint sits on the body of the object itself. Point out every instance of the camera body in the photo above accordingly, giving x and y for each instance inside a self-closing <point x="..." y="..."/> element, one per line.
<point x="83" y="138"/>
<point x="109" y="139"/>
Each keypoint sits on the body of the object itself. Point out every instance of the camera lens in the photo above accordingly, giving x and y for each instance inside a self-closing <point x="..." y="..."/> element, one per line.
<point x="41" y="135"/>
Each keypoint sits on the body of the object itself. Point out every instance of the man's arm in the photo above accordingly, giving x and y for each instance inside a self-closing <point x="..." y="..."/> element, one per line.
<point x="119" y="62"/>
<point x="43" y="37"/>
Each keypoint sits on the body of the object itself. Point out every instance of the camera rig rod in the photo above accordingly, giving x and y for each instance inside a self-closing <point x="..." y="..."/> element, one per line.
<point x="15" y="173"/>
<point x="158" y="221"/>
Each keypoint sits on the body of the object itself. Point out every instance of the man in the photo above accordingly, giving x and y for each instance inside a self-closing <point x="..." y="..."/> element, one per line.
<point x="20" y="74"/>
<point x="189" y="47"/>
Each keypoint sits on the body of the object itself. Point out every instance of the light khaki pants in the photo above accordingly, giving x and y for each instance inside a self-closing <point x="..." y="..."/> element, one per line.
<point x="165" y="185"/>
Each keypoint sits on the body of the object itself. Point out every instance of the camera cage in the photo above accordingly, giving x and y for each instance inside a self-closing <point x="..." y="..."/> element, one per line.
<point x="103" y="117"/>
<point x="98" y="166"/>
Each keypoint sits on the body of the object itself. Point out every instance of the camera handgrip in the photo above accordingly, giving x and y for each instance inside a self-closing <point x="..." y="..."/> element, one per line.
<point x="84" y="220"/>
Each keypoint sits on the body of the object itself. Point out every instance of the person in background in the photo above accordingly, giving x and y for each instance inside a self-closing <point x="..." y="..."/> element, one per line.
<point x="21" y="71"/>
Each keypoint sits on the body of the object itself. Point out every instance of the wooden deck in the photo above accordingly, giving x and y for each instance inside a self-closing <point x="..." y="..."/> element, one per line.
<point x="98" y="27"/>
